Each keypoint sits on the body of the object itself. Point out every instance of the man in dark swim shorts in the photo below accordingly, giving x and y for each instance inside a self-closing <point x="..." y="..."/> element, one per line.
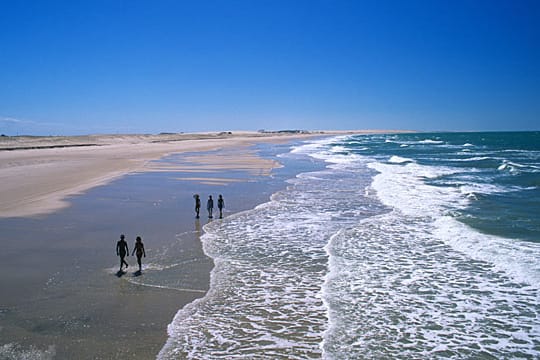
<point x="122" y="250"/>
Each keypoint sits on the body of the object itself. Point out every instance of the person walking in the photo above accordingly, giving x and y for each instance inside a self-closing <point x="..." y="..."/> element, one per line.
<point x="122" y="251"/>
<point x="197" y="205"/>
<point x="139" y="250"/>
<point x="210" y="206"/>
<point x="220" y="205"/>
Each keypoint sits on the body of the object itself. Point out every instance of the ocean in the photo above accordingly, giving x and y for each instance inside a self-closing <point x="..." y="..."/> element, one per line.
<point x="401" y="246"/>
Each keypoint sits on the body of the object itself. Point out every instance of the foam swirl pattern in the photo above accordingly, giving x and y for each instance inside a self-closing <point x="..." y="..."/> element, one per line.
<point x="270" y="262"/>
<point x="405" y="247"/>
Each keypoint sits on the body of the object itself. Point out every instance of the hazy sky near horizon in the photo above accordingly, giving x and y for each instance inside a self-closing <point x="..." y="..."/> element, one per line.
<point x="76" y="67"/>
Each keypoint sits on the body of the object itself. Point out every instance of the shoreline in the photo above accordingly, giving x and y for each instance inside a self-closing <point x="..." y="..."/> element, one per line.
<point x="249" y="200"/>
<point x="88" y="309"/>
<point x="39" y="173"/>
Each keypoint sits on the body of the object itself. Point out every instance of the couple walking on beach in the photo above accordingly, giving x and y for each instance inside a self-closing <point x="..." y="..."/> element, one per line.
<point x="209" y="205"/>
<point x="123" y="251"/>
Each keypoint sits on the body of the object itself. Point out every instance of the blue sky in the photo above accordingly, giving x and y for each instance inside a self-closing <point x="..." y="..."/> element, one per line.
<point x="76" y="67"/>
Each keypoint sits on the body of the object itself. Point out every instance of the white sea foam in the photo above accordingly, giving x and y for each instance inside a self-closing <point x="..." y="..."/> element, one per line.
<point x="314" y="146"/>
<point x="474" y="158"/>
<point x="430" y="141"/>
<point x="146" y="267"/>
<point x="396" y="290"/>
<point x="402" y="188"/>
<point x="399" y="160"/>
<point x="514" y="167"/>
<point x="518" y="259"/>
<point x="343" y="265"/>
<point x="264" y="299"/>
<point x="397" y="287"/>
<point x="13" y="351"/>
<point x="484" y="188"/>
<point x="338" y="149"/>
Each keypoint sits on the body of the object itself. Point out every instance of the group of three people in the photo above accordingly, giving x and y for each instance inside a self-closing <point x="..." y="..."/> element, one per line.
<point x="209" y="206"/>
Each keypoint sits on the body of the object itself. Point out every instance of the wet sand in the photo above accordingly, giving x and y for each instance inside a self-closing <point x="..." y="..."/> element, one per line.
<point x="61" y="294"/>
<point x="37" y="173"/>
<point x="62" y="211"/>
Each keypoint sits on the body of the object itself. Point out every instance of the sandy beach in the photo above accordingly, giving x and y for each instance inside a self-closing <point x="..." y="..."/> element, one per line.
<point x="66" y="200"/>
<point x="38" y="173"/>
<point x="60" y="225"/>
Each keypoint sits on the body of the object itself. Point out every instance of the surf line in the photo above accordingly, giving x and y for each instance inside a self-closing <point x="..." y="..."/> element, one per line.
<point x="168" y="287"/>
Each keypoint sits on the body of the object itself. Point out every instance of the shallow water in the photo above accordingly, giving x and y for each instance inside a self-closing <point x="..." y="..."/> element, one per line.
<point x="61" y="297"/>
<point x="376" y="256"/>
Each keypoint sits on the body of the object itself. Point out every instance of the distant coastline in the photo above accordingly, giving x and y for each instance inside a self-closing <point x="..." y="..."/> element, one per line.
<point x="32" y="142"/>
<point x="61" y="166"/>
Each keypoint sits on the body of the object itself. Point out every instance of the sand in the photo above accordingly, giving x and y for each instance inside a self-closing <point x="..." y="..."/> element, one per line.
<point x="37" y="174"/>
<point x="59" y="263"/>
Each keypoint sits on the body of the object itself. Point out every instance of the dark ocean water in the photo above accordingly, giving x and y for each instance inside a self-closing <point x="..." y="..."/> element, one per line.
<point x="499" y="172"/>
<point x="407" y="246"/>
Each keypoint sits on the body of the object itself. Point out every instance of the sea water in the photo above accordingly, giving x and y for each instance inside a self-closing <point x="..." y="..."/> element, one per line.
<point x="405" y="246"/>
